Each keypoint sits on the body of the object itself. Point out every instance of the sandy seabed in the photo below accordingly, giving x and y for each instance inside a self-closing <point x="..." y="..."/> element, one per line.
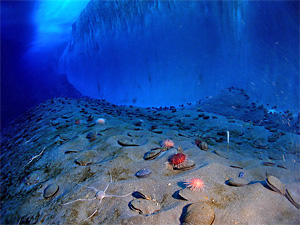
<point x="57" y="153"/>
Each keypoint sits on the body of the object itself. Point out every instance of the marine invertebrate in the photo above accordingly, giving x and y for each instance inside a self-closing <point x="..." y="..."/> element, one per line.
<point x="99" y="195"/>
<point x="178" y="160"/>
<point x="101" y="121"/>
<point x="195" y="184"/>
<point x="167" y="144"/>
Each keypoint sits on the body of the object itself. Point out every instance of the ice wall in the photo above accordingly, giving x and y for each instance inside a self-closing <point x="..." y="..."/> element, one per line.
<point x="155" y="53"/>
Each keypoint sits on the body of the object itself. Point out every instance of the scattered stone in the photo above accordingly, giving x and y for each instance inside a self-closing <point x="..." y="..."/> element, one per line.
<point x="51" y="190"/>
<point x="199" y="213"/>
<point x="143" y="173"/>
<point x="237" y="181"/>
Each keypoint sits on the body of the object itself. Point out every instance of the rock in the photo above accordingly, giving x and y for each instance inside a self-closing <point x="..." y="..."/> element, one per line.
<point x="144" y="206"/>
<point x="51" y="190"/>
<point x="199" y="213"/>
<point x="237" y="181"/>
<point x="275" y="184"/>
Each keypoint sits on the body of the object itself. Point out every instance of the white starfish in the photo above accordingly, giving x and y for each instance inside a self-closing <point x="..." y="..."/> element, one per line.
<point x="98" y="195"/>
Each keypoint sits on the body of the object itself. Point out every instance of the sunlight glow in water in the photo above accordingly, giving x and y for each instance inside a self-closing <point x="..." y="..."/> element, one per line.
<point x="54" y="19"/>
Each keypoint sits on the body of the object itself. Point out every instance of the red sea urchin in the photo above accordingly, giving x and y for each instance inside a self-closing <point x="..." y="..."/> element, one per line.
<point x="178" y="160"/>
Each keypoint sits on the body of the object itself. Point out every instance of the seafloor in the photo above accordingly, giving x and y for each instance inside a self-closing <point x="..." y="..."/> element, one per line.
<point x="57" y="153"/>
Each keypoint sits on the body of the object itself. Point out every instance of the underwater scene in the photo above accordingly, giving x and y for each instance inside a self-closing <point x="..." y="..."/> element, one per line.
<point x="158" y="112"/>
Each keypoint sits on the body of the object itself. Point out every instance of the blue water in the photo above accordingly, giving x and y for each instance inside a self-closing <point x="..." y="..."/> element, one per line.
<point x="154" y="53"/>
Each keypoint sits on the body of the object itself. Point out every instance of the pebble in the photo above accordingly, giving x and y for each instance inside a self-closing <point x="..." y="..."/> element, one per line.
<point x="143" y="173"/>
<point x="199" y="213"/>
<point x="51" y="190"/>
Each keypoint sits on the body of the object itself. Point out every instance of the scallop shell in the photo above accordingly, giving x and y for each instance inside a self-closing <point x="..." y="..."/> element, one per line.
<point x="144" y="206"/>
<point x="143" y="173"/>
<point x="199" y="213"/>
<point x="84" y="161"/>
<point x="275" y="184"/>
<point x="32" y="179"/>
<point x="154" y="153"/>
<point x="204" y="146"/>
<point x="195" y="196"/>
<point x="237" y="181"/>
<point x="189" y="164"/>
<point x="51" y="190"/>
